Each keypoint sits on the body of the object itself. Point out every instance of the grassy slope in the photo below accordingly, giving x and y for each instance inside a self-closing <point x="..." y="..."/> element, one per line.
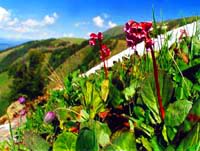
<point x="16" y="54"/>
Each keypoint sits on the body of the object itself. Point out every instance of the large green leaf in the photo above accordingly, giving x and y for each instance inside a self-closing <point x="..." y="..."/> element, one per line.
<point x="88" y="93"/>
<point x="145" y="142"/>
<point x="115" y="96"/>
<point x="87" y="140"/>
<point x="35" y="142"/>
<point x="177" y="112"/>
<point x="150" y="100"/>
<point x="192" y="141"/>
<point x="66" y="141"/>
<point x="103" y="133"/>
<point x="122" y="141"/>
<point x="104" y="90"/>
<point x="93" y="102"/>
<point x="166" y="87"/>
<point x="131" y="90"/>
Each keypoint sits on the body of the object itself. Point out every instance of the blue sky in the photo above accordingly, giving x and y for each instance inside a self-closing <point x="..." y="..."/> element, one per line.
<point x="41" y="19"/>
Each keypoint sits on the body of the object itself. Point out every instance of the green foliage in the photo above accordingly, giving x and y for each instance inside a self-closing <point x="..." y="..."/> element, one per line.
<point x="65" y="141"/>
<point x="192" y="141"/>
<point x="87" y="140"/>
<point x="177" y="112"/>
<point x="35" y="142"/>
<point x="122" y="140"/>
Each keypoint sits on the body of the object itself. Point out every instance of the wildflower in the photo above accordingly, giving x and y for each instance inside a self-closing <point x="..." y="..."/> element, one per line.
<point x="94" y="37"/>
<point x="104" y="50"/>
<point x="21" y="100"/>
<point x="104" y="53"/>
<point x="138" y="32"/>
<point x="49" y="117"/>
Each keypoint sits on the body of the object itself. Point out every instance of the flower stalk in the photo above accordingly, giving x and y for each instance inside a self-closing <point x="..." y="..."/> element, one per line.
<point x="136" y="33"/>
<point x="104" y="50"/>
<point x="155" y="71"/>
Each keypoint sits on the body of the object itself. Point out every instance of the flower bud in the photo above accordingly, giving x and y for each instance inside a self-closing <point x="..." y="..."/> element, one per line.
<point x="22" y="100"/>
<point x="49" y="117"/>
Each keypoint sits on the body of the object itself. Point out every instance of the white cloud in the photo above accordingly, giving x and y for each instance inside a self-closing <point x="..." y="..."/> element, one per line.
<point x="98" y="21"/>
<point x="13" y="22"/>
<point x="4" y="14"/>
<point x="29" y="28"/>
<point x="30" y="23"/>
<point x="49" y="20"/>
<point x="111" y="24"/>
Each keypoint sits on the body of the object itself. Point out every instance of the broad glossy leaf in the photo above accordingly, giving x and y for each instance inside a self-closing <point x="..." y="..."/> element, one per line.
<point x="150" y="100"/>
<point x="166" y="87"/>
<point x="164" y="133"/>
<point x="192" y="141"/>
<point x="177" y="112"/>
<point x="122" y="141"/>
<point x="96" y="105"/>
<point x="146" y="143"/>
<point x="131" y="90"/>
<point x="103" y="133"/>
<point x="105" y="90"/>
<point x="88" y="93"/>
<point x="35" y="142"/>
<point x="66" y="141"/>
<point x="155" y="145"/>
<point x="87" y="140"/>
<point x="171" y="132"/>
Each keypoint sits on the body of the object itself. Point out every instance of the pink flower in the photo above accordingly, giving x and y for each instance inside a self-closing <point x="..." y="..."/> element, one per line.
<point x="21" y="100"/>
<point x="138" y="32"/>
<point x="92" y="42"/>
<point x="49" y="117"/>
<point x="104" y="50"/>
<point x="94" y="37"/>
<point x="104" y="53"/>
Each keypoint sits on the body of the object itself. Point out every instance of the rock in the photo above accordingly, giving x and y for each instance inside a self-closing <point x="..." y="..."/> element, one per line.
<point x="14" y="109"/>
<point x="3" y="119"/>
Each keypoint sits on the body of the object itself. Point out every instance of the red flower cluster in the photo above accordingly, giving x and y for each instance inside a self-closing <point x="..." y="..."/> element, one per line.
<point x="94" y="37"/>
<point x="104" y="53"/>
<point x="104" y="50"/>
<point x="138" y="32"/>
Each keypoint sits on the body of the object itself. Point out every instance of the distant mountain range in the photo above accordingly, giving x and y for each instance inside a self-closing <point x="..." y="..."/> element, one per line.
<point x="8" y="43"/>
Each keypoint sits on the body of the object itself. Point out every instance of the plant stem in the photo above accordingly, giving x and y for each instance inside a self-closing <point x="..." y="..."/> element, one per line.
<point x="105" y="69"/>
<point x="104" y="62"/>
<point x="162" y="111"/>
